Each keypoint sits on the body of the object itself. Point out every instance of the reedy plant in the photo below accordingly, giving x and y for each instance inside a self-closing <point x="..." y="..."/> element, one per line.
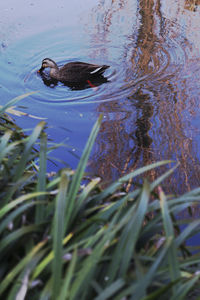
<point x="62" y="239"/>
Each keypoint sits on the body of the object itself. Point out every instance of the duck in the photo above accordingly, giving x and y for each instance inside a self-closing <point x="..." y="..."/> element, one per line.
<point x="73" y="72"/>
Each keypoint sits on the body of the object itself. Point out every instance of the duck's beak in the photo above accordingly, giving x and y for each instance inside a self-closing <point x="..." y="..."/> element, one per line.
<point x="41" y="69"/>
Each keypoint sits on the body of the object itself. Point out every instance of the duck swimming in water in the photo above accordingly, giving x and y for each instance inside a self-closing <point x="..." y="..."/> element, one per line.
<point x="74" y="72"/>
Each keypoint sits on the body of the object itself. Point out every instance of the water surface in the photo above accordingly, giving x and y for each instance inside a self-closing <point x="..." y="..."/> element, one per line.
<point x="151" y="101"/>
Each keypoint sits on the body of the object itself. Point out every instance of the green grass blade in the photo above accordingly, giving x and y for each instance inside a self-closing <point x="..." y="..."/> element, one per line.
<point x="41" y="184"/>
<point x="131" y="233"/>
<point x="169" y="232"/>
<point x="184" y="288"/>
<point x="15" y="271"/>
<point x="84" y="276"/>
<point x="3" y="143"/>
<point x="75" y="184"/>
<point x="22" y="283"/>
<point x="5" y="139"/>
<point x="46" y="261"/>
<point x="65" y="288"/>
<point x="160" y="293"/>
<point x="28" y="148"/>
<point x="126" y="245"/>
<point x="58" y="234"/>
<point x="185" y="234"/>
<point x="6" y="208"/>
<point x="16" y="212"/>
<point x="137" y="288"/>
<point x="163" y="177"/>
<point x="25" y="157"/>
<point x="111" y="290"/>
<point x="14" y="101"/>
<point x="12" y="237"/>
<point x="147" y="279"/>
<point x="11" y="147"/>
<point x="113" y="187"/>
<point x="46" y="292"/>
<point x="84" y="195"/>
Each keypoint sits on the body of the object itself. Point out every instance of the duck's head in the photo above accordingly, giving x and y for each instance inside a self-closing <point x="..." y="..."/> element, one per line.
<point x="47" y="63"/>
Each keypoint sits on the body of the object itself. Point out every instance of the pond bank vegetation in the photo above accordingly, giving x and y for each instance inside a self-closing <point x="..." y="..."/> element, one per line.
<point x="66" y="237"/>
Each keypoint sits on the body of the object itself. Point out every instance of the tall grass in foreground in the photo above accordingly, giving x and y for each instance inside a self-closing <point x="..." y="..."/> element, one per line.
<point x="66" y="238"/>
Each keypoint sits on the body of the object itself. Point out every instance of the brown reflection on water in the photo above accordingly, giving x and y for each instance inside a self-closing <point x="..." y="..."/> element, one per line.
<point x="146" y="39"/>
<point x="154" y="121"/>
<point x="191" y="4"/>
<point x="128" y="133"/>
<point x="129" y="140"/>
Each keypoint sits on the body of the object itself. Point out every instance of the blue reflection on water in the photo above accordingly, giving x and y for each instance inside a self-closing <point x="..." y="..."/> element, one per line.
<point x="152" y="92"/>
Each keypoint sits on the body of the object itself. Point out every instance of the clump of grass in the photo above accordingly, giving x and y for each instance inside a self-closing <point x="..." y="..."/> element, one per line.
<point x="61" y="239"/>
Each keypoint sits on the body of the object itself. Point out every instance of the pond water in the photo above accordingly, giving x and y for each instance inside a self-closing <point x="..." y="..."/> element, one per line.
<point x="151" y="102"/>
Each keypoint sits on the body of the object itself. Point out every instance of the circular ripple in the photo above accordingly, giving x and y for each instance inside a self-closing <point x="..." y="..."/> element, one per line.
<point x="21" y="61"/>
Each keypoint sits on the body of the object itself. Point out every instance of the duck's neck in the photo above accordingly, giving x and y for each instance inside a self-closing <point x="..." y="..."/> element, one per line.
<point x="54" y="71"/>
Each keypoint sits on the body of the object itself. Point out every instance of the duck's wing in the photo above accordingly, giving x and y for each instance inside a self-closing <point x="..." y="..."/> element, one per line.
<point x="84" y="68"/>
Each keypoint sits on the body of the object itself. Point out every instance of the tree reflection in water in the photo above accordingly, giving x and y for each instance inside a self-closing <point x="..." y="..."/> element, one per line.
<point x="154" y="122"/>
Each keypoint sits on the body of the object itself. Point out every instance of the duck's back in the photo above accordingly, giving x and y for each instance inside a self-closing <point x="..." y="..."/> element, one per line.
<point x="80" y="71"/>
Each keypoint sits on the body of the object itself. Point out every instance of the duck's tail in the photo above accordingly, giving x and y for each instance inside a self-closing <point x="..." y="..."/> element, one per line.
<point x="99" y="70"/>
